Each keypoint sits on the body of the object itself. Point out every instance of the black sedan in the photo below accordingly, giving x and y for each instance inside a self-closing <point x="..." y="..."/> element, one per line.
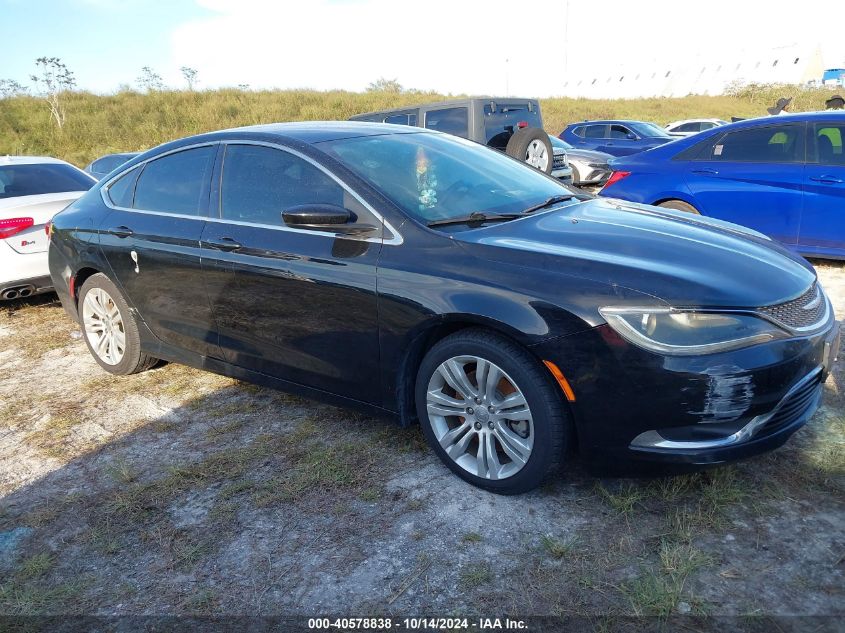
<point x="417" y="274"/>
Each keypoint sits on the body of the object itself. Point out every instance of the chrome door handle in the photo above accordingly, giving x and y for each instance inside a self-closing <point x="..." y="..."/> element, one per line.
<point x="828" y="180"/>
<point x="223" y="244"/>
<point x="709" y="172"/>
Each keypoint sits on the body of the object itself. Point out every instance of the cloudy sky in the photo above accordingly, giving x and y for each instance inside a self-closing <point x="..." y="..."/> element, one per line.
<point x="452" y="46"/>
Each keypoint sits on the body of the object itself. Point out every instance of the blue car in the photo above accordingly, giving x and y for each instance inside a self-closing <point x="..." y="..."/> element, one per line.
<point x="783" y="176"/>
<point x="617" y="138"/>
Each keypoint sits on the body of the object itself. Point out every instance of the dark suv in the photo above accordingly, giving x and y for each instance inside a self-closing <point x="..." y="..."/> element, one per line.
<point x="511" y="125"/>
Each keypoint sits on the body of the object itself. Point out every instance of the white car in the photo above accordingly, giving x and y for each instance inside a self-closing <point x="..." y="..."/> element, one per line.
<point x="32" y="190"/>
<point x="688" y="127"/>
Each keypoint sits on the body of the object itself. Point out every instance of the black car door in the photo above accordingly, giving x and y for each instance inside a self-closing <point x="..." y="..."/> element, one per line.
<point x="151" y="240"/>
<point x="294" y="303"/>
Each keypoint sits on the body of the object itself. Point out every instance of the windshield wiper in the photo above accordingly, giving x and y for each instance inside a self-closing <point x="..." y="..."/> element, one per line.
<point x="549" y="202"/>
<point x="476" y="217"/>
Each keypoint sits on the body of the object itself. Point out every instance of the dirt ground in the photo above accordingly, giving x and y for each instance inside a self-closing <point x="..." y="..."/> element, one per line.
<point x="181" y="492"/>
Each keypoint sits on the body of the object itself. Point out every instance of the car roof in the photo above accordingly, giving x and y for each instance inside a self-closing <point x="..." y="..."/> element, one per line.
<point x="309" y="132"/>
<point x="608" y="122"/>
<point x="30" y="160"/>
<point x="682" y="121"/>
<point x="450" y="102"/>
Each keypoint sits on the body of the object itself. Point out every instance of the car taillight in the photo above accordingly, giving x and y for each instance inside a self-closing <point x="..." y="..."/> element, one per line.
<point x="13" y="226"/>
<point x="616" y="177"/>
<point x="48" y="228"/>
<point x="522" y="124"/>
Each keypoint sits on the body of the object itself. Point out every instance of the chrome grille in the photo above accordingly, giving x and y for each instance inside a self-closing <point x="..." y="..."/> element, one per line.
<point x="559" y="161"/>
<point x="804" y="312"/>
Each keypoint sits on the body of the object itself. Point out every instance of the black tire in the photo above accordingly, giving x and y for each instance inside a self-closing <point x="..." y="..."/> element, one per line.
<point x="134" y="360"/>
<point x="551" y="419"/>
<point x="520" y="141"/>
<point x="679" y="205"/>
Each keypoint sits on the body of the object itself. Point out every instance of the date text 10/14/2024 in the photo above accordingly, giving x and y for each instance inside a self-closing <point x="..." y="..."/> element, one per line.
<point x="417" y="624"/>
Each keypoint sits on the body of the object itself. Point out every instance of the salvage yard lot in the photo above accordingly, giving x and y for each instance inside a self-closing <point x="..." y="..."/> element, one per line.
<point x="177" y="491"/>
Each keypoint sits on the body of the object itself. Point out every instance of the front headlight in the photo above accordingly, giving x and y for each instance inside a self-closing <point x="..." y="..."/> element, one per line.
<point x="678" y="332"/>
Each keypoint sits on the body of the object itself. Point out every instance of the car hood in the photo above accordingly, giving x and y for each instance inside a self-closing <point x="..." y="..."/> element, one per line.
<point x="679" y="258"/>
<point x="40" y="208"/>
<point x="589" y="155"/>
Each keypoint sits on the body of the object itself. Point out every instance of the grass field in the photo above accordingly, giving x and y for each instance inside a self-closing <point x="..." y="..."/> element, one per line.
<point x="130" y="121"/>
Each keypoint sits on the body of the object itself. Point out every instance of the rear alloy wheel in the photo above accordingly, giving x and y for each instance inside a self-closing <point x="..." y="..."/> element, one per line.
<point x="111" y="332"/>
<point x="679" y="205"/>
<point x="490" y="412"/>
<point x="532" y="145"/>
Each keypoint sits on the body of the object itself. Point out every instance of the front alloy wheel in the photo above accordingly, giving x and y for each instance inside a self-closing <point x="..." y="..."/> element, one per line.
<point x="480" y="417"/>
<point x="491" y="411"/>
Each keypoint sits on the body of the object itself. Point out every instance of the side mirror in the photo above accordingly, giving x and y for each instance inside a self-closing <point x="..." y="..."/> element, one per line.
<point x="324" y="217"/>
<point x="631" y="136"/>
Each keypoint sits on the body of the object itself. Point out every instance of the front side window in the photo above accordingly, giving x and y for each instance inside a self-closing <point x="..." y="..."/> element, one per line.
<point x="449" y="120"/>
<point x="259" y="183"/>
<point x="619" y="131"/>
<point x="648" y="130"/>
<point x="175" y="183"/>
<point x="432" y="177"/>
<point x="769" y="144"/>
<point x="41" y="178"/>
<point x="830" y="143"/>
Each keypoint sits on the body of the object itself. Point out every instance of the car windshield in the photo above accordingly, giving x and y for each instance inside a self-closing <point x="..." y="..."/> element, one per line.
<point x="39" y="178"/>
<point x="558" y="142"/>
<point x="438" y="176"/>
<point x="649" y="130"/>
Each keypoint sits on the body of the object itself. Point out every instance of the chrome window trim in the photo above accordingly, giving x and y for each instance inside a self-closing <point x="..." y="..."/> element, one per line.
<point x="395" y="240"/>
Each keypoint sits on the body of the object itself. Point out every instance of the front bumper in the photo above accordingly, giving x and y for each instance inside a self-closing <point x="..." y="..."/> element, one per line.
<point x="563" y="173"/>
<point x="634" y="409"/>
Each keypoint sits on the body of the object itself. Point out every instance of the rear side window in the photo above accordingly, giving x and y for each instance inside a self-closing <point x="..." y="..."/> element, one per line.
<point x="176" y="183"/>
<point x="450" y="120"/>
<point x="830" y="143"/>
<point x="770" y="144"/>
<point x="407" y="118"/>
<point x="33" y="180"/>
<point x="122" y="190"/>
<point x="579" y="131"/>
<point x="690" y="127"/>
<point x="595" y="131"/>
<point x="259" y="183"/>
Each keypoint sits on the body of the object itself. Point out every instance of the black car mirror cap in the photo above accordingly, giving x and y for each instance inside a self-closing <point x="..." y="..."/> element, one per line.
<point x="324" y="217"/>
<point x="317" y="214"/>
